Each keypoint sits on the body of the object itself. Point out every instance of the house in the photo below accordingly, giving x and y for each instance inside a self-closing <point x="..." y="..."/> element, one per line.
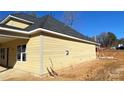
<point x="40" y="45"/>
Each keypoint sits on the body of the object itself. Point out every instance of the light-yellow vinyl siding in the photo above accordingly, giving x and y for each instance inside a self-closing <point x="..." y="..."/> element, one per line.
<point x="32" y="63"/>
<point x="17" y="24"/>
<point x="55" y="52"/>
<point x="45" y="51"/>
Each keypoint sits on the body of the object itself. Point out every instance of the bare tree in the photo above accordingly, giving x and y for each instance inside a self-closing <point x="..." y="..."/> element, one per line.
<point x="107" y="39"/>
<point x="69" y="17"/>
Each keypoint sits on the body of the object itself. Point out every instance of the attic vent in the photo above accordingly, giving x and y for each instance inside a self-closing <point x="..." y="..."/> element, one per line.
<point x="17" y="24"/>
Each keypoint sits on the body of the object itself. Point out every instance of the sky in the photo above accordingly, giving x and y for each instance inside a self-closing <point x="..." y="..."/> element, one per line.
<point x="89" y="23"/>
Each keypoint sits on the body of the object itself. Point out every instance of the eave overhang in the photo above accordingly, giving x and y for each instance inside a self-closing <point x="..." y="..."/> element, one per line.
<point x="27" y="34"/>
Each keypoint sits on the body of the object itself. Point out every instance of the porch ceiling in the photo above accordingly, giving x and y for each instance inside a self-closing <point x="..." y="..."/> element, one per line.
<point x="6" y="39"/>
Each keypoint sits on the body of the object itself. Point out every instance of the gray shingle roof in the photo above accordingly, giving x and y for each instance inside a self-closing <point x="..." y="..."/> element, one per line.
<point x="49" y="23"/>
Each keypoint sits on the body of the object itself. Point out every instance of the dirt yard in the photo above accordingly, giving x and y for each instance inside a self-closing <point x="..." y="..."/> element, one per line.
<point x="108" y="66"/>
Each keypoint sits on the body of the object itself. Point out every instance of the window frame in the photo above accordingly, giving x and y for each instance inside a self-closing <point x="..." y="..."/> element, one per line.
<point x="21" y="52"/>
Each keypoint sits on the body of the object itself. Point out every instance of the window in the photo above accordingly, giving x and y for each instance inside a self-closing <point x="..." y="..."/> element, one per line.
<point x="21" y="53"/>
<point x="2" y="53"/>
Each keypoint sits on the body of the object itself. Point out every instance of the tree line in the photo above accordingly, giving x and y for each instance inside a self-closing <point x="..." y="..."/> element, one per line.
<point x="108" y="39"/>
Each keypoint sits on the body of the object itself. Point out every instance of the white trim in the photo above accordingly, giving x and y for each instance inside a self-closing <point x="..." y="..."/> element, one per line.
<point x="10" y="16"/>
<point x="14" y="30"/>
<point x="13" y="36"/>
<point x="21" y="54"/>
<point x="7" y="18"/>
<point x="22" y="19"/>
<point x="55" y="33"/>
<point x="48" y="31"/>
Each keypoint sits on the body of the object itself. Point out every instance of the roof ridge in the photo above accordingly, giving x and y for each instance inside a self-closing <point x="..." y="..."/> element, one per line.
<point x="47" y="16"/>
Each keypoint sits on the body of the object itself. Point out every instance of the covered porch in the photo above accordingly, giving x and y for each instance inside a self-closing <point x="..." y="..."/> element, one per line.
<point x="8" y="47"/>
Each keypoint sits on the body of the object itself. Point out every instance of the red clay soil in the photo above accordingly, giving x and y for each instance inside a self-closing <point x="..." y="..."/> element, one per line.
<point x="111" y="67"/>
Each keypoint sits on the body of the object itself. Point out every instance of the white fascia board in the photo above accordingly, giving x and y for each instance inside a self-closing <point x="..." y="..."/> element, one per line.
<point x="6" y="19"/>
<point x="14" y="36"/>
<point x="14" y="30"/>
<point x="10" y="16"/>
<point x="47" y="31"/>
<point x="59" y="34"/>
<point x="22" y="19"/>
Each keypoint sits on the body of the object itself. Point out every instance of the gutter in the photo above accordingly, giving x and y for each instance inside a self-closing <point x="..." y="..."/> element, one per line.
<point x="63" y="35"/>
<point x="47" y="31"/>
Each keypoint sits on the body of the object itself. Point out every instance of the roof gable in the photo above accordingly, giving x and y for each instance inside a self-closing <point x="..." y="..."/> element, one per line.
<point x="15" y="18"/>
<point x="17" y="22"/>
<point x="49" y="23"/>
